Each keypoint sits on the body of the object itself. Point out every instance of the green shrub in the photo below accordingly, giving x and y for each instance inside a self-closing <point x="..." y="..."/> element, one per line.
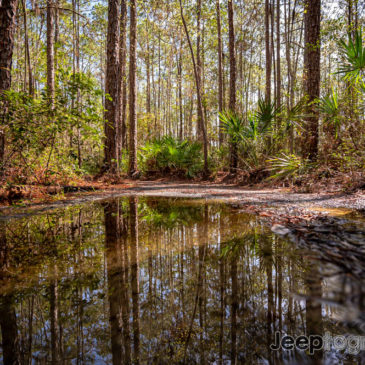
<point x="167" y="155"/>
<point x="43" y="141"/>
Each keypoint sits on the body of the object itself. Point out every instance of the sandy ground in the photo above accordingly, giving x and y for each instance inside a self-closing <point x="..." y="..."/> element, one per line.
<point x="272" y="197"/>
<point x="257" y="199"/>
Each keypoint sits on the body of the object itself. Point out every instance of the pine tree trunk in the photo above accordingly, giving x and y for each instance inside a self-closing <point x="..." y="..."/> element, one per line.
<point x="232" y="81"/>
<point x="267" y="52"/>
<point x="203" y="79"/>
<point x="50" y="52"/>
<point x="158" y="114"/>
<point x="198" y="63"/>
<point x="278" y="66"/>
<point x="79" y="157"/>
<point x="112" y="87"/>
<point x="27" y="53"/>
<point x="73" y="2"/>
<point x="179" y="70"/>
<point x="273" y="63"/>
<point x="122" y="143"/>
<point x="148" y="72"/>
<point x="312" y="54"/>
<point x="56" y="38"/>
<point x="133" y="89"/>
<point x="7" y="25"/>
<point x="290" y="88"/>
<point x="220" y="69"/>
<point x="232" y="59"/>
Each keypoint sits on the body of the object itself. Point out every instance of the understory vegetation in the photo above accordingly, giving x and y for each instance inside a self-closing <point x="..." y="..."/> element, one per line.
<point x="169" y="155"/>
<point x="36" y="131"/>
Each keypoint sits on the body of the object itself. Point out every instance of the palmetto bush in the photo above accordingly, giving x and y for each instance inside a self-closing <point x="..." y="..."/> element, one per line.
<point x="287" y="165"/>
<point x="168" y="154"/>
<point x="331" y="112"/>
<point x="353" y="52"/>
<point x="248" y="135"/>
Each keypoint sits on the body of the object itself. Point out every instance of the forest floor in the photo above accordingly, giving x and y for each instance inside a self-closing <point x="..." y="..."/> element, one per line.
<point x="262" y="201"/>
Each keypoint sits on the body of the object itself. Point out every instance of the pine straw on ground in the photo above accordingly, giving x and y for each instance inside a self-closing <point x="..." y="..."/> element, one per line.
<point x="321" y="180"/>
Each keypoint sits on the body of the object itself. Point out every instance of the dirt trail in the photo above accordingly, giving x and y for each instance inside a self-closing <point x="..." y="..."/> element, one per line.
<point x="232" y="193"/>
<point x="259" y="199"/>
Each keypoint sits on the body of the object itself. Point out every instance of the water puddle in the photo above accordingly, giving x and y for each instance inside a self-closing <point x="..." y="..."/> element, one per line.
<point x="169" y="281"/>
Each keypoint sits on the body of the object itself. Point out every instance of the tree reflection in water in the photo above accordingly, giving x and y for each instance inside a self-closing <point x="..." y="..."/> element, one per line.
<point x="8" y="320"/>
<point x="162" y="281"/>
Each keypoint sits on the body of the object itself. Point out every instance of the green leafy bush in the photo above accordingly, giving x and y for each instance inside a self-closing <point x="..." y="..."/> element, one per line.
<point x="44" y="140"/>
<point x="167" y="155"/>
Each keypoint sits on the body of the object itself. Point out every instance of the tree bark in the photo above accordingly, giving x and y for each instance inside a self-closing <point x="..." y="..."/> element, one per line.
<point x="112" y="88"/>
<point x="312" y="19"/>
<point x="267" y="52"/>
<point x="158" y="114"/>
<point x="7" y="26"/>
<point x="148" y="72"/>
<point x="232" y="81"/>
<point x="57" y="30"/>
<point x="278" y="66"/>
<point x="198" y="63"/>
<point x="289" y="16"/>
<point x="232" y="59"/>
<point x="270" y="145"/>
<point x="179" y="72"/>
<point x="220" y="69"/>
<point x="122" y="143"/>
<point x="50" y="52"/>
<point x="27" y="53"/>
<point x="133" y="89"/>
<point x="77" y="3"/>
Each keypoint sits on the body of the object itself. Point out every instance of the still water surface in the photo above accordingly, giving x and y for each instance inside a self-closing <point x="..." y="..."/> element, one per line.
<point x="165" y="281"/>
